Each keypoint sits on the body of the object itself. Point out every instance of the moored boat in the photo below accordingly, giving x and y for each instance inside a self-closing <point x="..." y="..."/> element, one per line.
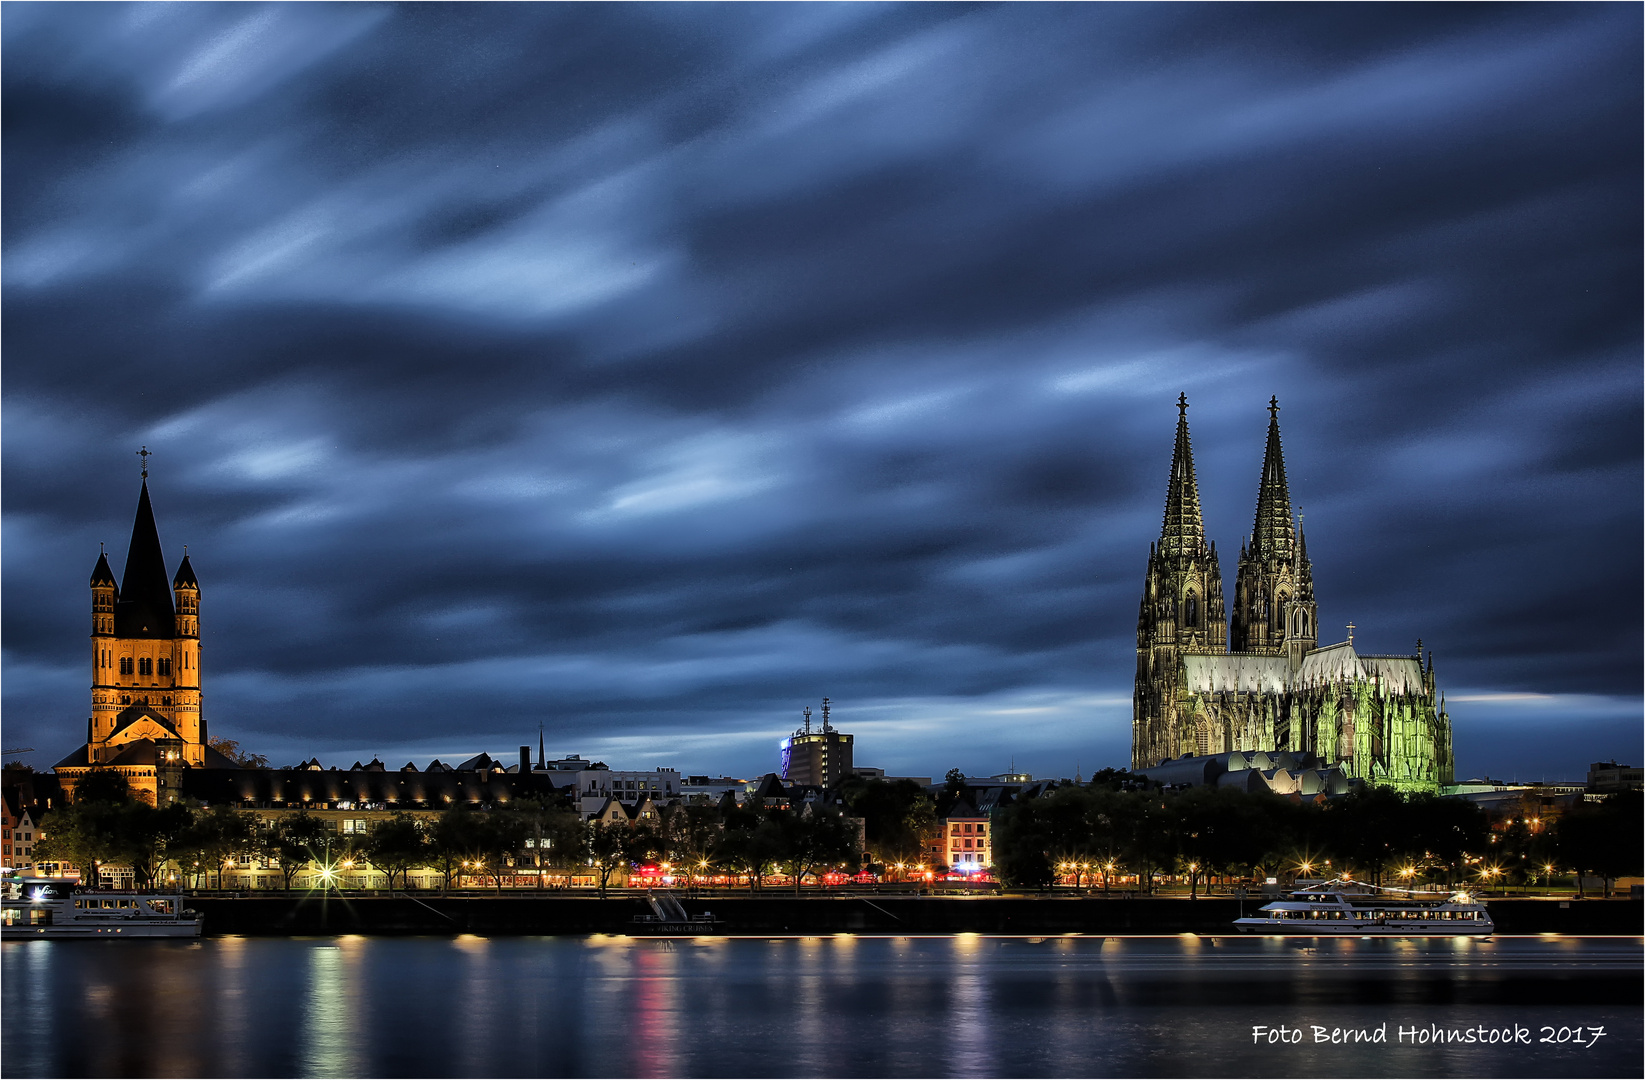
<point x="55" y="908"/>
<point x="1352" y="909"/>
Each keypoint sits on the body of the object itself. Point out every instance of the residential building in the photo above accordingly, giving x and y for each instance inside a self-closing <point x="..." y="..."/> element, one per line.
<point x="965" y="840"/>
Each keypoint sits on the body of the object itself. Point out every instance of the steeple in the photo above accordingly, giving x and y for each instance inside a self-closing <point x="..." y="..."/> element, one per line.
<point x="1181" y="612"/>
<point x="184" y="578"/>
<point x="144" y="608"/>
<point x="1272" y="537"/>
<point x="1274" y="610"/>
<point x="1184" y="530"/>
<point x="102" y="574"/>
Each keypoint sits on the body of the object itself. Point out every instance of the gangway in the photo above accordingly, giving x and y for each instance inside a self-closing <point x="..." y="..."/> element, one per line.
<point x="669" y="916"/>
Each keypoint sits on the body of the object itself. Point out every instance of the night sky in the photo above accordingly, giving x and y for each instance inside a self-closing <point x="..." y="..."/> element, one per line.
<point x="651" y="372"/>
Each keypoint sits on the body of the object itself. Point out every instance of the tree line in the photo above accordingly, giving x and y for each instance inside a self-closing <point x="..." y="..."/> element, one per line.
<point x="1094" y="832"/>
<point x="1373" y="834"/>
<point x="105" y="825"/>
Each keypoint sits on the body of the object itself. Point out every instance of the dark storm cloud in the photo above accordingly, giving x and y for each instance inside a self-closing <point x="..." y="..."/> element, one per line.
<point x="649" y="371"/>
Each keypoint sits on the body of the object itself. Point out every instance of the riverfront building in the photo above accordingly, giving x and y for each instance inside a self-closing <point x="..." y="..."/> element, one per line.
<point x="1211" y="682"/>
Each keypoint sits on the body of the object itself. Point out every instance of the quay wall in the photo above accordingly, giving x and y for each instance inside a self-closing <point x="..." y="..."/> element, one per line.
<point x="777" y="914"/>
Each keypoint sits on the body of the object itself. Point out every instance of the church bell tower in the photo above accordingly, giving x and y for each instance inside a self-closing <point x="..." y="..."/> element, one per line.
<point x="145" y="657"/>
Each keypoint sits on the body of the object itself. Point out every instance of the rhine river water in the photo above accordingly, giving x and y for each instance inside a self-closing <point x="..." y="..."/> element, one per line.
<point x="842" y="1005"/>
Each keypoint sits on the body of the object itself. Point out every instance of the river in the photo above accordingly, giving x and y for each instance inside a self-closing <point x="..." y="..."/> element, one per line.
<point x="818" y="1006"/>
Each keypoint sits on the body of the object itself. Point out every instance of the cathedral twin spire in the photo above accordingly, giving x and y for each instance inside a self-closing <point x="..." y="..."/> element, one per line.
<point x="1273" y="536"/>
<point x="1273" y="601"/>
<point x="1184" y="530"/>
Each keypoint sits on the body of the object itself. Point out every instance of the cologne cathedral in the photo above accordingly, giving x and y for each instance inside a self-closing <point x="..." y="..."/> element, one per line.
<point x="1209" y="684"/>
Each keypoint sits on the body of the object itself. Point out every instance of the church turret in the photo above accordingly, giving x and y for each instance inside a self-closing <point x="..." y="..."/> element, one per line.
<point x="1274" y="608"/>
<point x="1181" y="610"/>
<point x="104" y="594"/>
<point x="187" y="590"/>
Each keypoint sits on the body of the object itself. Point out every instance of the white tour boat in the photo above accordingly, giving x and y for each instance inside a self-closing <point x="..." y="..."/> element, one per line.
<point x="1353" y="909"/>
<point x="56" y="908"/>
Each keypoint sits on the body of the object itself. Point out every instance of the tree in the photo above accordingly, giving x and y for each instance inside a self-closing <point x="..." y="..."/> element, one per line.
<point x="85" y="834"/>
<point x="898" y="818"/>
<point x="689" y="836"/>
<point x="293" y="842"/>
<point x="230" y="749"/>
<point x="819" y="837"/>
<point x="501" y="836"/>
<point x="217" y="837"/>
<point x="103" y="824"/>
<point x="1603" y="839"/>
<point x="536" y="819"/>
<point x="146" y="836"/>
<point x="457" y="838"/>
<point x="607" y="844"/>
<point x="396" y="846"/>
<point x="752" y="843"/>
<point x="1022" y="843"/>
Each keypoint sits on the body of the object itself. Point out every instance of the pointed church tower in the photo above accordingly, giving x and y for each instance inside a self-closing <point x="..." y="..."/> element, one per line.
<point x="145" y="689"/>
<point x="1181" y="610"/>
<point x="1274" y="610"/>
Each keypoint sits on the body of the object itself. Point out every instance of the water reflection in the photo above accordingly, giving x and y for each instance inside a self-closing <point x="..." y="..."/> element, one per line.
<point x="329" y="1040"/>
<point x="820" y="1006"/>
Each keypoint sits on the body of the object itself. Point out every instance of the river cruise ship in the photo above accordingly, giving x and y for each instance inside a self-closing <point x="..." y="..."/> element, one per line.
<point x="1353" y="909"/>
<point x="57" y="908"/>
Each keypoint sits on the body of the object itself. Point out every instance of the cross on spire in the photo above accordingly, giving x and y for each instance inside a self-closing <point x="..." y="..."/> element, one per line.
<point x="1273" y="407"/>
<point x="145" y="454"/>
<point x="1350" y="633"/>
<point x="1182" y="404"/>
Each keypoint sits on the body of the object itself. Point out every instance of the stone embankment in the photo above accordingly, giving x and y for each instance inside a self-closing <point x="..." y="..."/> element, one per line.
<point x="777" y="914"/>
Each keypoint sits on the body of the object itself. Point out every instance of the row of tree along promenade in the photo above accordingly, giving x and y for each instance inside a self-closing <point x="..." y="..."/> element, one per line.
<point x="1098" y="836"/>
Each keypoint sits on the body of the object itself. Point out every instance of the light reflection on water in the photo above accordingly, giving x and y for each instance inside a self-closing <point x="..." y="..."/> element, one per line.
<point x="811" y="1006"/>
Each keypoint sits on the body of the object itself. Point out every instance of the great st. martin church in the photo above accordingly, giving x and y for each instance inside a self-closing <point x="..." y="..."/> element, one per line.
<point x="1207" y="684"/>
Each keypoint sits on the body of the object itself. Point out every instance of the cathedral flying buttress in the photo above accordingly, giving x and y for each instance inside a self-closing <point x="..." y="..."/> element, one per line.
<point x="1261" y="681"/>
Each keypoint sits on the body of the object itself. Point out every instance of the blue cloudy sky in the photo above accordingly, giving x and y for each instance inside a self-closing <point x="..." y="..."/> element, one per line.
<point x="650" y="372"/>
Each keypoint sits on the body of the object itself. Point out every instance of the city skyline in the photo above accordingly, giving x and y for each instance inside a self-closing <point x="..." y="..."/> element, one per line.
<point x="654" y="373"/>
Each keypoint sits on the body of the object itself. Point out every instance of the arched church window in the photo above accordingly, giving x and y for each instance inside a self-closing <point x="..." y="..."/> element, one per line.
<point x="145" y="665"/>
<point x="125" y="699"/>
<point x="125" y="665"/>
<point x="1305" y="624"/>
<point x="1191" y="611"/>
<point x="165" y="665"/>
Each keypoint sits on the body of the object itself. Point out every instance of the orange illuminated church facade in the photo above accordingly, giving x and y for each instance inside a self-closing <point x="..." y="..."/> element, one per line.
<point x="145" y="718"/>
